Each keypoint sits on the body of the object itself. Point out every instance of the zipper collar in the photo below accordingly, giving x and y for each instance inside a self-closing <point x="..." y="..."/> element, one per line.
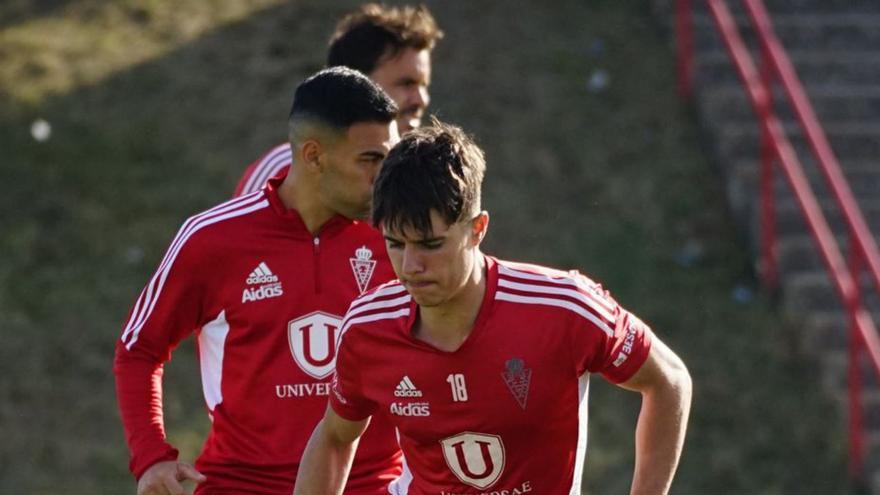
<point x="331" y="227"/>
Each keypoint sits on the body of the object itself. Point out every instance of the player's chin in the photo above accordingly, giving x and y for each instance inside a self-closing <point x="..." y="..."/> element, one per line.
<point x="409" y="121"/>
<point x="360" y="213"/>
<point x="422" y="293"/>
<point x="426" y="301"/>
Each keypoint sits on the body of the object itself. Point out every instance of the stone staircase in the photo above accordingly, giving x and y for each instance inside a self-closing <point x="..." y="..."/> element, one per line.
<point x="835" y="48"/>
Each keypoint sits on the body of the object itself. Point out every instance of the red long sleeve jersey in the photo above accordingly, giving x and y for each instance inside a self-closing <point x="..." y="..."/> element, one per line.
<point x="274" y="162"/>
<point x="506" y="412"/>
<point x="264" y="299"/>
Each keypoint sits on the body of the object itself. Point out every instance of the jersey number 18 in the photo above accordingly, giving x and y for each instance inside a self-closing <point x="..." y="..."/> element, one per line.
<point x="459" y="390"/>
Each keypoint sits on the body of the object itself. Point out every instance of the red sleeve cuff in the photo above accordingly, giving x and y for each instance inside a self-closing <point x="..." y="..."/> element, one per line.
<point x="630" y="353"/>
<point x="346" y="412"/>
<point x="139" y="466"/>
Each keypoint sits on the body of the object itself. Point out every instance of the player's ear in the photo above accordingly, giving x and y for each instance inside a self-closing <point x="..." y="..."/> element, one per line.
<point x="479" y="227"/>
<point x="311" y="154"/>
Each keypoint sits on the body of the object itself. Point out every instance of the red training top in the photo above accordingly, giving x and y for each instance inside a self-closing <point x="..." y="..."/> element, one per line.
<point x="505" y="413"/>
<point x="264" y="298"/>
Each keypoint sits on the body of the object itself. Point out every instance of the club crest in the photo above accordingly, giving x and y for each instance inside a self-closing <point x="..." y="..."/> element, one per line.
<point x="313" y="339"/>
<point x="517" y="377"/>
<point x="363" y="267"/>
<point x="477" y="459"/>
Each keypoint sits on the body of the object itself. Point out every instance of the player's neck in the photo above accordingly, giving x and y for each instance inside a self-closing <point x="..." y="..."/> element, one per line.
<point x="447" y="326"/>
<point x="297" y="195"/>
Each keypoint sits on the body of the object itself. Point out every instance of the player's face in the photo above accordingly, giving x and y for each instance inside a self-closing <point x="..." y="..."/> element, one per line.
<point x="406" y="77"/>
<point x="434" y="268"/>
<point x="350" y="166"/>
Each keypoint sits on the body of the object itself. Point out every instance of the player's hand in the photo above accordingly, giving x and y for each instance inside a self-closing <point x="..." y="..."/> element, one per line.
<point x="163" y="478"/>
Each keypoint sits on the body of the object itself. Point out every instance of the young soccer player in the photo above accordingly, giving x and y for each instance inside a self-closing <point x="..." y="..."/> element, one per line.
<point x="483" y="364"/>
<point x="393" y="46"/>
<point x="262" y="281"/>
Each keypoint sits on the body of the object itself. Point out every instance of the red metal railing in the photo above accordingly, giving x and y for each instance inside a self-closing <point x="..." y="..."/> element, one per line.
<point x="776" y="147"/>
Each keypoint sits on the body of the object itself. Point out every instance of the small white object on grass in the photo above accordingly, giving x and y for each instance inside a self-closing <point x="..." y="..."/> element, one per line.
<point x="598" y="81"/>
<point x="41" y="130"/>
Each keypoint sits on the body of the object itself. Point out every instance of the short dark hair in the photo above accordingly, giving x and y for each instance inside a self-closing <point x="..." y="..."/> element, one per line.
<point x="373" y="31"/>
<point x="432" y="168"/>
<point x="339" y="97"/>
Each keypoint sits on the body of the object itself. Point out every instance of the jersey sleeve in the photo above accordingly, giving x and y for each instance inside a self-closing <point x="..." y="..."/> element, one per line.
<point x="272" y="164"/>
<point x="169" y="308"/>
<point x="347" y="398"/>
<point x="614" y="342"/>
<point x="245" y="178"/>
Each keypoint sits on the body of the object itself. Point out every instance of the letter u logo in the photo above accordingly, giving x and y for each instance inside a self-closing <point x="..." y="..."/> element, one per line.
<point x="330" y="345"/>
<point x="476" y="459"/>
<point x="312" y="341"/>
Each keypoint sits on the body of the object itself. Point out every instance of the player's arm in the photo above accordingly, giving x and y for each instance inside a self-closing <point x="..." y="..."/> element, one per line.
<point x="168" y="309"/>
<point x="327" y="459"/>
<point x="139" y="394"/>
<point x="665" y="385"/>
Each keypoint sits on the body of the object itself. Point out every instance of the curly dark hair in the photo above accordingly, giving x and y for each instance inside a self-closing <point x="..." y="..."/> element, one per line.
<point x="367" y="35"/>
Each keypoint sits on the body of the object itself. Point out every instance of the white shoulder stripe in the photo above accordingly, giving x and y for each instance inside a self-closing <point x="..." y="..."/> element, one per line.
<point x="253" y="182"/>
<point x="384" y="291"/>
<point x="274" y="161"/>
<point x="148" y="290"/>
<point x="157" y="283"/>
<point x="559" y="303"/>
<point x="374" y="317"/>
<point x="271" y="169"/>
<point x="543" y="289"/>
<point x="390" y="303"/>
<point x="182" y="234"/>
<point x="148" y="298"/>
<point x="562" y="280"/>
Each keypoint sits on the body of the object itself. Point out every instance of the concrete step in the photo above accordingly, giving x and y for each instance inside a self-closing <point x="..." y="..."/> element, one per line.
<point x="831" y="331"/>
<point x="835" y="31"/>
<point x="785" y="7"/>
<point x="854" y="141"/>
<point x="850" y="103"/>
<point x="857" y="66"/>
<point x="833" y="45"/>
<point x="798" y="254"/>
<point x="835" y="377"/>
<point x="824" y="331"/>
<point x="738" y="157"/>
<point x="790" y="220"/>
<point x="805" y="293"/>
<point x="863" y="176"/>
<point x="810" y="293"/>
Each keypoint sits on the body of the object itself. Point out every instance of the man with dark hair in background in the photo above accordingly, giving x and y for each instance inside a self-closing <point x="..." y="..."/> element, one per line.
<point x="483" y="364"/>
<point x="392" y="45"/>
<point x="261" y="280"/>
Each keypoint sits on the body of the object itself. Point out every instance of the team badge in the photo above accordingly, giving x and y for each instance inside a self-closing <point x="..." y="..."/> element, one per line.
<point x="313" y="341"/>
<point x="517" y="377"/>
<point x="363" y="267"/>
<point x="476" y="459"/>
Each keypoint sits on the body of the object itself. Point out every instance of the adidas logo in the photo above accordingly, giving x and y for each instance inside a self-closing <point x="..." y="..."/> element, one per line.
<point x="261" y="275"/>
<point x="406" y="389"/>
<point x="269" y="286"/>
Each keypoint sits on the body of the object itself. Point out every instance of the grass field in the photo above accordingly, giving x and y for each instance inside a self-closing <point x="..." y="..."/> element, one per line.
<point x="156" y="106"/>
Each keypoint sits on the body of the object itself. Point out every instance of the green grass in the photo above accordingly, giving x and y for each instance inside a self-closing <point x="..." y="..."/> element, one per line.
<point x="155" y="113"/>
